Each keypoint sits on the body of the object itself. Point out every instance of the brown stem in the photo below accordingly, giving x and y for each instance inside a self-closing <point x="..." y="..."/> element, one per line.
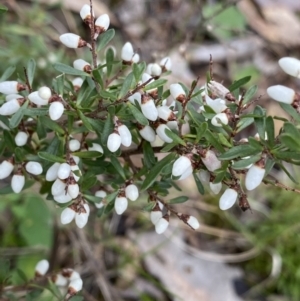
<point x="280" y="185"/>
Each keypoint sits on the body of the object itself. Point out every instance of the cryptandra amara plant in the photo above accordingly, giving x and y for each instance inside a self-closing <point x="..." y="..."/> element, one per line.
<point x="81" y="133"/>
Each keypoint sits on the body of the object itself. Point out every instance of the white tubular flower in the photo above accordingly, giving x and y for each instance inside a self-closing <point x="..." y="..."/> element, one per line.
<point x="177" y="92"/>
<point x="17" y="183"/>
<point x="56" y="110"/>
<point x="96" y="147"/>
<point x="41" y="267"/>
<point x="125" y="135"/>
<point x="193" y="222"/>
<point x="75" y="286"/>
<point x="34" y="168"/>
<point x="160" y="131"/>
<point x="281" y="94"/>
<point x="101" y="25"/>
<point x="215" y="187"/>
<point x="156" y="70"/>
<point x="21" y="138"/>
<point x="149" y="109"/>
<point x="81" y="218"/>
<point x="11" y="87"/>
<point x="121" y="204"/>
<point x="132" y="192"/>
<point x="148" y="133"/>
<point x="181" y="165"/>
<point x="162" y="224"/>
<point x="155" y="216"/>
<point x="135" y="96"/>
<point x="73" y="189"/>
<point x="173" y="125"/>
<point x="10" y="97"/>
<point x="58" y="187"/>
<point x="218" y="89"/>
<point x="77" y="83"/>
<point x="85" y="12"/>
<point x="44" y="93"/>
<point x="165" y="113"/>
<point x="10" y="107"/>
<point x="114" y="142"/>
<point x="67" y="215"/>
<point x="36" y="99"/>
<point x="135" y="58"/>
<point x="166" y="64"/>
<point x="127" y="52"/>
<point x="101" y="194"/>
<point x="228" y="199"/>
<point x="62" y="198"/>
<point x="218" y="105"/>
<point x="211" y="161"/>
<point x="72" y="40"/>
<point x="219" y="120"/>
<point x="204" y="176"/>
<point x="74" y="145"/>
<point x="254" y="176"/>
<point x="82" y="65"/>
<point x="290" y="66"/>
<point x="186" y="174"/>
<point x="51" y="174"/>
<point x="64" y="171"/>
<point x="59" y="280"/>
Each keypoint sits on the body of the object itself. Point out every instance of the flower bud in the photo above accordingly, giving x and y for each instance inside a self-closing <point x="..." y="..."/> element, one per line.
<point x="36" y="99"/>
<point x="64" y="171"/>
<point x="127" y="52"/>
<point x="10" y="97"/>
<point x="82" y="65"/>
<point x="74" y="145"/>
<point x="44" y="93"/>
<point x="162" y="224"/>
<point x="81" y="218"/>
<point x="75" y="286"/>
<point x="228" y="199"/>
<point x="67" y="215"/>
<point x="166" y="64"/>
<point x="101" y="25"/>
<point x="72" y="40"/>
<point x="254" y="176"/>
<point x="180" y="166"/>
<point x="10" y="107"/>
<point x="148" y="108"/>
<point x="101" y="194"/>
<point x="62" y="198"/>
<point x="177" y="92"/>
<point x="160" y="131"/>
<point x="218" y="89"/>
<point x="58" y="187"/>
<point x="155" y="70"/>
<point x="59" y="280"/>
<point x="290" y="66"/>
<point x="42" y="267"/>
<point x="114" y="142"/>
<point x="77" y="83"/>
<point x="96" y="147"/>
<point x="132" y="192"/>
<point x="11" y="87"/>
<point x="136" y="96"/>
<point x="211" y="161"/>
<point x="21" y="138"/>
<point x="219" y="120"/>
<point x="51" y="174"/>
<point x="56" y="110"/>
<point x="85" y="13"/>
<point x="17" y="183"/>
<point x="125" y="135"/>
<point x="148" y="133"/>
<point x="204" y="176"/>
<point x="218" y="105"/>
<point x="165" y="113"/>
<point x="187" y="173"/>
<point x="193" y="222"/>
<point x="135" y="58"/>
<point x="34" y="168"/>
<point x="155" y="216"/>
<point x="215" y="187"/>
<point x="281" y="94"/>
<point x="121" y="204"/>
<point x="73" y="190"/>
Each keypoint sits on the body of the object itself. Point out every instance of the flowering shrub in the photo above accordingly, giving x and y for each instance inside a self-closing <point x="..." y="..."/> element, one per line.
<point x="77" y="138"/>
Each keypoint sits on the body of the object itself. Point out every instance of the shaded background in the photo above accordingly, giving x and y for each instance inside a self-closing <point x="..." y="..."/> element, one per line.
<point x="233" y="255"/>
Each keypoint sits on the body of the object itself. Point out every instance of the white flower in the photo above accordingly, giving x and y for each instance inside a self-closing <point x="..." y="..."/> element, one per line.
<point x="67" y="215"/>
<point x="21" y="138"/>
<point x="17" y="183"/>
<point x="74" y="145"/>
<point x="132" y="192"/>
<point x="77" y="82"/>
<point x="135" y="58"/>
<point x="10" y="97"/>
<point x="176" y="91"/>
<point x="155" y="216"/>
<point x="82" y="65"/>
<point x="164" y="112"/>
<point x="254" y="177"/>
<point x="75" y="286"/>
<point x="62" y="198"/>
<point x="193" y="222"/>
<point x="155" y="70"/>
<point x="81" y="218"/>
<point x="166" y="63"/>
<point x="73" y="190"/>
<point x="58" y="187"/>
<point x="56" y="110"/>
<point x="160" y="131"/>
<point x="36" y="99"/>
<point x="51" y="174"/>
<point x="281" y="93"/>
<point x="204" y="176"/>
<point x="218" y="105"/>
<point x="149" y="109"/>
<point x="125" y="135"/>
<point x="290" y="66"/>
<point x="34" y="168"/>
<point x="180" y="166"/>
<point x="11" y="87"/>
<point x="59" y="280"/>
<point x="101" y="194"/>
<point x="96" y="147"/>
<point x="42" y="267"/>
<point x="187" y="173"/>
<point x="127" y="52"/>
<point x="121" y="204"/>
<point x="215" y="187"/>
<point x="85" y="12"/>
<point x="135" y="96"/>
<point x="219" y="120"/>
<point x="228" y="199"/>
<point x="102" y="22"/>
<point x="148" y="133"/>
<point x="44" y="93"/>
<point x="211" y="161"/>
<point x="64" y="171"/>
<point x="218" y="89"/>
<point x="114" y="142"/>
<point x="161" y="225"/>
<point x="10" y="107"/>
<point x="72" y="40"/>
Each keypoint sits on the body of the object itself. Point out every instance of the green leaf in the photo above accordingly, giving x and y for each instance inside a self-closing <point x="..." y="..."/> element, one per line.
<point x="69" y="70"/>
<point x="290" y="110"/>
<point x="9" y="140"/>
<point x="7" y="73"/>
<point x="51" y="158"/>
<point x="31" y="70"/>
<point x="126" y="85"/>
<point x="109" y="61"/>
<point x="140" y="118"/>
<point x="244" y="122"/>
<point x="34" y="112"/>
<point x="198" y="184"/>
<point x="111" y="196"/>
<point x="105" y="38"/>
<point x="52" y="125"/>
<point x="239" y="151"/>
<point x="242" y="164"/>
<point x="40" y="129"/>
<point x="201" y="131"/>
<point x="85" y="121"/>
<point x="157" y="83"/>
<point x="56" y="147"/>
<point x="213" y="141"/>
<point x="249" y="94"/>
<point x="260" y="121"/>
<point x="149" y="157"/>
<point x="98" y="77"/>
<point x="3" y="9"/>
<point x="92" y="198"/>
<point x="60" y="83"/>
<point x="18" y="116"/>
<point x="87" y="154"/>
<point x="149" y="207"/>
<point x="19" y="155"/>
<point x="291" y="129"/>
<point x="270" y="130"/>
<point x="178" y="200"/>
<point x="89" y="180"/>
<point x="290" y="142"/>
<point x="107" y="130"/>
<point x="138" y="70"/>
<point x="175" y="137"/>
<point x="155" y="171"/>
<point x="239" y="83"/>
<point x="118" y="167"/>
